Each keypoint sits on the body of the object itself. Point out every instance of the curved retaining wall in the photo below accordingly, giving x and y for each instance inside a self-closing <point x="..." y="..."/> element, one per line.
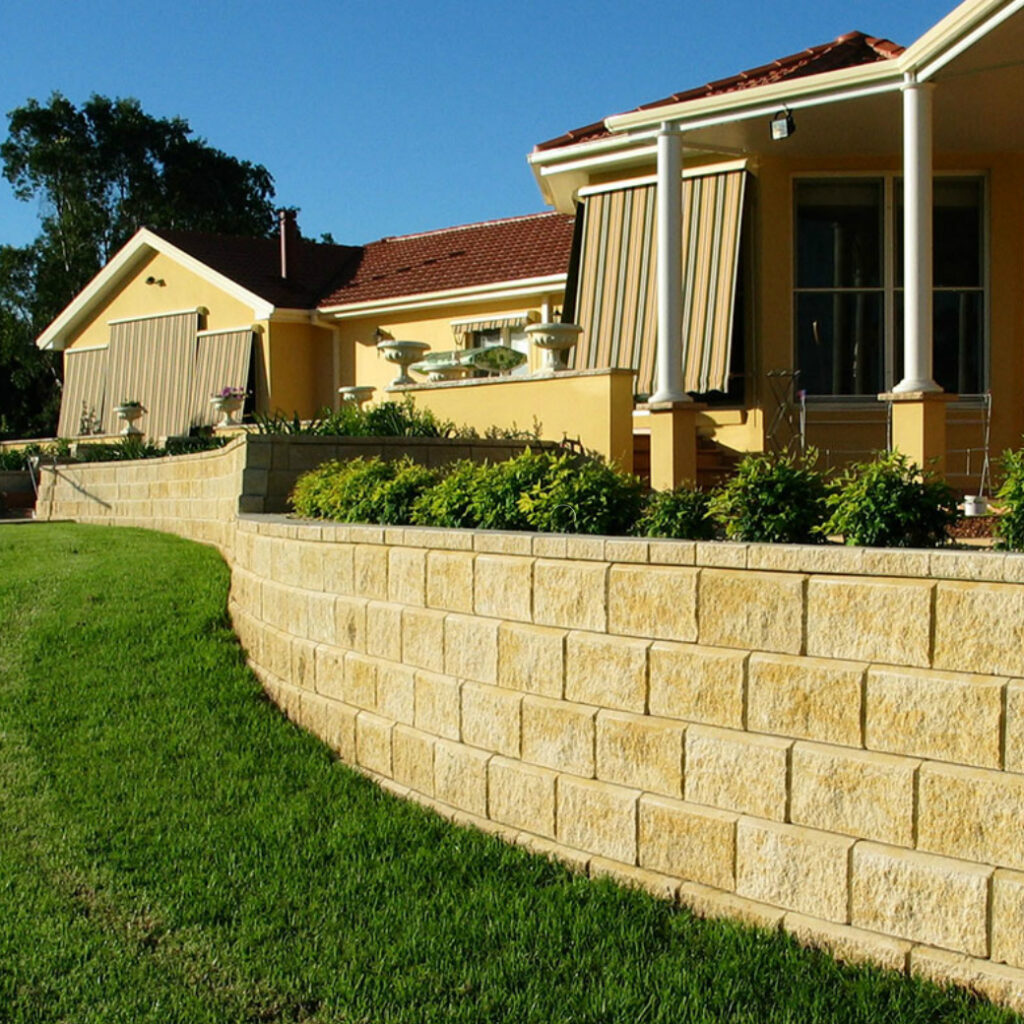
<point x="826" y="739"/>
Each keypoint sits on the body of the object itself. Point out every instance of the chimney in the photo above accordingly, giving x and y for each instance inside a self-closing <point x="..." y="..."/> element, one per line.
<point x="288" y="230"/>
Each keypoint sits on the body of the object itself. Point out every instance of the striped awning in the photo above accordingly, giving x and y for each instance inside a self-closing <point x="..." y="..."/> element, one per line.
<point x="152" y="360"/>
<point x="515" y="321"/>
<point x="83" y="405"/>
<point x="222" y="361"/>
<point x="616" y="299"/>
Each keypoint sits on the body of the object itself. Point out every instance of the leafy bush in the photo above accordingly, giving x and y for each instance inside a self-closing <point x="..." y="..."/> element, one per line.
<point x="501" y="486"/>
<point x="362" y="490"/>
<point x="451" y="502"/>
<point x="1010" y="525"/>
<point x="890" y="503"/>
<point x="582" y="496"/>
<point x="772" y="498"/>
<point x="682" y="513"/>
<point x="387" y="419"/>
<point x="13" y="458"/>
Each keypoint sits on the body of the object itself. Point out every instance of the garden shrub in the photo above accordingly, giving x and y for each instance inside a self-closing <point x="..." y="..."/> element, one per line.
<point x="772" y="498"/>
<point x="499" y="489"/>
<point x="451" y="502"/>
<point x="578" y="495"/>
<point x="1009" y="526"/>
<point x="890" y="503"/>
<point x="682" y="514"/>
<point x="386" y="419"/>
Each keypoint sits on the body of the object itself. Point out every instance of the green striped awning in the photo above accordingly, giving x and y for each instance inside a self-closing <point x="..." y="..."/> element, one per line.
<point x="617" y="294"/>
<point x="83" y="404"/>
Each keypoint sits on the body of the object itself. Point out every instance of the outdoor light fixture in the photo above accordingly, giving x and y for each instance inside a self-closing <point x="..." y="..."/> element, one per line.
<point x="783" y="125"/>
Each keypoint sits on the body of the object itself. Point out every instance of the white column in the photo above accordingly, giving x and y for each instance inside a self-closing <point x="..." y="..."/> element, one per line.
<point x="669" y="364"/>
<point x="917" y="237"/>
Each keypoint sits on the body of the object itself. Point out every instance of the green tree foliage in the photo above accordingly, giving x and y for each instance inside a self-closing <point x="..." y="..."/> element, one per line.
<point x="99" y="172"/>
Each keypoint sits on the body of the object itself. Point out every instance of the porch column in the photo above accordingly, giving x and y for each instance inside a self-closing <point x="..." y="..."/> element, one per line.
<point x="668" y="376"/>
<point x="917" y="237"/>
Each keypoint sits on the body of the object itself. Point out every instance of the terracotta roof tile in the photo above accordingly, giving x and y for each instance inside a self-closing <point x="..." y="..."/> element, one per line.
<point x="474" y="254"/>
<point x="850" y="50"/>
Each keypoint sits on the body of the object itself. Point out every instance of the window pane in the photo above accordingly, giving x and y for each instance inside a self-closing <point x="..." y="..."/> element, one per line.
<point x="956" y="230"/>
<point x="839" y="234"/>
<point x="839" y="343"/>
<point x="957" y="350"/>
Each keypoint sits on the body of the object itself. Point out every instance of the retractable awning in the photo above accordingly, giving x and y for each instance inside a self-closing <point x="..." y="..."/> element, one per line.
<point x="84" y="400"/>
<point x="222" y="361"/>
<point x="515" y="321"/>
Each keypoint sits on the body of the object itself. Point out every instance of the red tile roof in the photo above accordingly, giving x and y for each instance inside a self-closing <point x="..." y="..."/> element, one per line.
<point x="850" y="50"/>
<point x="475" y="254"/>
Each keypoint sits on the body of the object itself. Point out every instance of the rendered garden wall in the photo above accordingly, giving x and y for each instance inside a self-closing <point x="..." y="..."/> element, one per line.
<point x="825" y="739"/>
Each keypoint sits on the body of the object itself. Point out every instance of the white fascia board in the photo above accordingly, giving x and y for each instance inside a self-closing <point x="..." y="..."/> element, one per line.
<point x="431" y="300"/>
<point x="128" y="257"/>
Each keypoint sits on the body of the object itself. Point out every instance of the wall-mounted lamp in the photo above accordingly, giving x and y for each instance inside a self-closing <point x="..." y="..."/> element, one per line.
<point x="783" y="125"/>
<point x="156" y="280"/>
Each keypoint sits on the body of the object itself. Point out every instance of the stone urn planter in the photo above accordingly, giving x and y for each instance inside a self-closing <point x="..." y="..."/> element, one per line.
<point x="403" y="354"/>
<point x="129" y="412"/>
<point x="358" y="393"/>
<point x="226" y="407"/>
<point x="556" y="341"/>
<point x="975" y="505"/>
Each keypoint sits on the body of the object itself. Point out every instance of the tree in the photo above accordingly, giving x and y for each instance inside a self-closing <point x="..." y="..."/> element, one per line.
<point x="99" y="173"/>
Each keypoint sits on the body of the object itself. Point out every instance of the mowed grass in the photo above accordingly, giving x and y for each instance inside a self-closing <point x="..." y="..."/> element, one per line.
<point x="173" y="850"/>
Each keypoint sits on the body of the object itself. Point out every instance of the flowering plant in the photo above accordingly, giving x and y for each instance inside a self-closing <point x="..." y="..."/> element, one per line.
<point x="229" y="393"/>
<point x="130" y="403"/>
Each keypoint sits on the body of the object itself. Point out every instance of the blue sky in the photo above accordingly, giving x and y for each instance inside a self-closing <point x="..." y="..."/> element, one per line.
<point x="387" y="118"/>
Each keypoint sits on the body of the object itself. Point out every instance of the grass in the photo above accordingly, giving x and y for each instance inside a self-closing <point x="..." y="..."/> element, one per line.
<point x="172" y="849"/>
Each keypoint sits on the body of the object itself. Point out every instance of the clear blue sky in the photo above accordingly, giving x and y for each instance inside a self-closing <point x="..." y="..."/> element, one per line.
<point x="386" y="118"/>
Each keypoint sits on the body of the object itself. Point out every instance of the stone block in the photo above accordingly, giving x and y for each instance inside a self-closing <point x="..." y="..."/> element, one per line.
<point x="340" y="729"/>
<point x="491" y="718"/>
<point x="373" y="743"/>
<point x="384" y="630"/>
<point x="755" y="611"/>
<point x="938" y="715"/>
<point x="503" y="587"/>
<point x="858" y="793"/>
<point x="721" y="555"/>
<point x="885" y="620"/>
<point x="598" y="818"/>
<point x="672" y="552"/>
<point x="303" y="664"/>
<point x="350" y="622"/>
<point x="797" y="868"/>
<point x="370" y="571"/>
<point x="338" y="567"/>
<point x="311" y="568"/>
<point x="1013" y="752"/>
<point x="640" y="752"/>
<point x="622" y="549"/>
<point x="971" y="813"/>
<point x="920" y="897"/>
<point x="996" y="982"/>
<point x="522" y="796"/>
<point x="848" y="945"/>
<point x="687" y="841"/>
<point x="423" y="638"/>
<point x="531" y="658"/>
<point x="609" y="671"/>
<point x="658" y="602"/>
<point x="1008" y="917"/>
<point x="980" y="628"/>
<point x="460" y="776"/>
<point x="277" y="652"/>
<point x="412" y="755"/>
<point x="570" y="594"/>
<point x="502" y="542"/>
<point x="407" y="576"/>
<point x="736" y="771"/>
<point x="697" y="684"/>
<point x="360" y="686"/>
<point x="396" y="692"/>
<point x="705" y="901"/>
<point x="559" y="735"/>
<point x="450" y="580"/>
<point x="320" y="619"/>
<point x="438" y="702"/>
<point x="810" y="698"/>
<point x="471" y="648"/>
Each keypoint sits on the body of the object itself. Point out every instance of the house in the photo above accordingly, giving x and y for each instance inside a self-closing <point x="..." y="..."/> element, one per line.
<point x="799" y="300"/>
<point x="176" y="316"/>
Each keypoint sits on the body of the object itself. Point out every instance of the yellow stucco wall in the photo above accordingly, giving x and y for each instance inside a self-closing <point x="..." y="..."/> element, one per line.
<point x="182" y="289"/>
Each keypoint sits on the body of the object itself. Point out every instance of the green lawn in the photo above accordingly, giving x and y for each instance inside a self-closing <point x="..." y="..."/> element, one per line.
<point x="173" y="850"/>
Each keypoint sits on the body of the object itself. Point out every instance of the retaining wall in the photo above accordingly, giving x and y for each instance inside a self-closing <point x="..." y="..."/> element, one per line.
<point x="825" y="739"/>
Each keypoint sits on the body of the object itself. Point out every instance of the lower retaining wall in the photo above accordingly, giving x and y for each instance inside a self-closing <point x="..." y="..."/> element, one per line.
<point x="830" y="740"/>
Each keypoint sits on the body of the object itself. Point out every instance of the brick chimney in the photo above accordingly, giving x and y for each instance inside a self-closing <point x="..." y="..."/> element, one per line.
<point x="288" y="230"/>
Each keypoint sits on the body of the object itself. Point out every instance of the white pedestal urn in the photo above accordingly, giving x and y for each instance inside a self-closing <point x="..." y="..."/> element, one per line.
<point x="556" y="341"/>
<point x="975" y="505"/>
<point x="403" y="354"/>
<point x="357" y="393"/>
<point x="129" y="412"/>
<point x="226" y="407"/>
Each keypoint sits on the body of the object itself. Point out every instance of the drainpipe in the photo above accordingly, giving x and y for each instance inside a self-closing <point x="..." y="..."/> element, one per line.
<point x="669" y="363"/>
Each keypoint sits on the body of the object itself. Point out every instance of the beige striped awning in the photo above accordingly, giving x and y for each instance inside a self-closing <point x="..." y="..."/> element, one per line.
<point x="83" y="404"/>
<point x="152" y="360"/>
<point x="617" y="294"/>
<point x="222" y="361"/>
<point x="463" y="328"/>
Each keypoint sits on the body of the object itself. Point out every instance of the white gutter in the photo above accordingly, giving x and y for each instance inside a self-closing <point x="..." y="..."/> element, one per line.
<point x="928" y="68"/>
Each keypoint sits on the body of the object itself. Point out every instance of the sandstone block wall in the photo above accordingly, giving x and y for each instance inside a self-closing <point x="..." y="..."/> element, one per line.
<point x="829" y="740"/>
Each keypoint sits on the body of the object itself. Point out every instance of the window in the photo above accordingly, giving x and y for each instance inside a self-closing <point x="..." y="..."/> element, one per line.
<point x="849" y="285"/>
